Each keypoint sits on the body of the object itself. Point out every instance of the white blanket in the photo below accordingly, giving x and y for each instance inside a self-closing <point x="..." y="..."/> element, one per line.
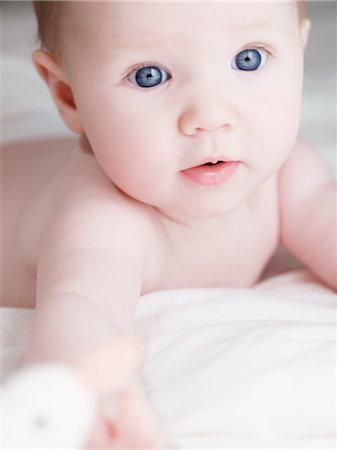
<point x="232" y="368"/>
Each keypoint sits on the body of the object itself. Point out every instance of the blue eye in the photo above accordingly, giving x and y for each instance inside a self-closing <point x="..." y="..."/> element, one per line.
<point x="249" y="60"/>
<point x="149" y="76"/>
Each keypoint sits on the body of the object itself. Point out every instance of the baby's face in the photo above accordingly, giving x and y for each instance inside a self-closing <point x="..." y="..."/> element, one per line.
<point x="163" y="87"/>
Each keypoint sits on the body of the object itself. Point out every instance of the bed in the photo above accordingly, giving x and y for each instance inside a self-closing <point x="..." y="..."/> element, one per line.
<point x="224" y="368"/>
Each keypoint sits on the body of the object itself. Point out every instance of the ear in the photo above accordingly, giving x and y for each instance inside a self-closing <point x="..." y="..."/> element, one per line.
<point x="305" y="31"/>
<point x="53" y="75"/>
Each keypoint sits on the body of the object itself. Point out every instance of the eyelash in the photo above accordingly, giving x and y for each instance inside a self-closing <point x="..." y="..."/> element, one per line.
<point x="269" y="52"/>
<point x="263" y="47"/>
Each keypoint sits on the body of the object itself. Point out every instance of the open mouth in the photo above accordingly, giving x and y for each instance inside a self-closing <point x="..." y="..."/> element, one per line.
<point x="211" y="173"/>
<point x="212" y="164"/>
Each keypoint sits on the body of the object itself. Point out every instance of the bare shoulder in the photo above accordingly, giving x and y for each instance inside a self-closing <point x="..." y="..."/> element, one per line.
<point x="308" y="194"/>
<point x="28" y="175"/>
<point x="29" y="170"/>
<point x="303" y="174"/>
<point x="91" y="205"/>
<point x="36" y="151"/>
<point x="302" y="179"/>
<point x="91" y="213"/>
<point x="58" y="202"/>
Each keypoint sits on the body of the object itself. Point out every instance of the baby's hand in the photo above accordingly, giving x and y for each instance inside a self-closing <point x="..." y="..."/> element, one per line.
<point x="58" y="406"/>
<point x="132" y="424"/>
<point x="125" y="418"/>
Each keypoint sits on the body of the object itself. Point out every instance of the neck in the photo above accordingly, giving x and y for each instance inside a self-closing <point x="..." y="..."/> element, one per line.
<point x="176" y="220"/>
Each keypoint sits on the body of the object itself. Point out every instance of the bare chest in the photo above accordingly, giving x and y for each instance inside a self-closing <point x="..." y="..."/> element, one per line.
<point x="233" y="253"/>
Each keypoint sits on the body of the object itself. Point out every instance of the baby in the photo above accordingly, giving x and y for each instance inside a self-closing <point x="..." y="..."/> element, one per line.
<point x="187" y="172"/>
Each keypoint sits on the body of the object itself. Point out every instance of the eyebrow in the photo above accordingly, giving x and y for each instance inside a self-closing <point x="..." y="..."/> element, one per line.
<point x="135" y="43"/>
<point x="121" y="44"/>
<point x="266" y="24"/>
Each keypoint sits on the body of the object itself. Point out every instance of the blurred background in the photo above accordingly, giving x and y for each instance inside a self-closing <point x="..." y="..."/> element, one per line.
<point x="27" y="110"/>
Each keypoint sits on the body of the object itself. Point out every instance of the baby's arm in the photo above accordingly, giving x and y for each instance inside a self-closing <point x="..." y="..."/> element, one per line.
<point x="90" y="275"/>
<point x="89" y="280"/>
<point x="308" y="209"/>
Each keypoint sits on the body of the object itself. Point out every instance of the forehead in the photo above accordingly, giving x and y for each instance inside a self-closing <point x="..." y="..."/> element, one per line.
<point x="118" y="22"/>
<point x="111" y="13"/>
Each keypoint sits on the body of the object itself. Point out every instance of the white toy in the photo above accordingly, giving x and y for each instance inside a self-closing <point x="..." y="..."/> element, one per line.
<point x="53" y="406"/>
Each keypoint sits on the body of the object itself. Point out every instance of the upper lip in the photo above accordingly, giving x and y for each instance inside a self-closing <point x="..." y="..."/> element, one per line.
<point x="210" y="159"/>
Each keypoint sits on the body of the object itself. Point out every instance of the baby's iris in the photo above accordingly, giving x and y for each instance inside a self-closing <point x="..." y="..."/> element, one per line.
<point x="248" y="60"/>
<point x="149" y="76"/>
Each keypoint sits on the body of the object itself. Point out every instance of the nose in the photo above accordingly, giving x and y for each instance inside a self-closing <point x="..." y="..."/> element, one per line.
<point x="207" y="112"/>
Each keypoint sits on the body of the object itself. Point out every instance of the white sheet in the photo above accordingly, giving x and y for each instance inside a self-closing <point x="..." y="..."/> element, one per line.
<point x="233" y="368"/>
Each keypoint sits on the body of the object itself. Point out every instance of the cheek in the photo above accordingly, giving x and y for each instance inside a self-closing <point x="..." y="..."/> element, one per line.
<point x="275" y="123"/>
<point x="129" y="120"/>
<point x="280" y="109"/>
<point x="287" y="100"/>
<point x="131" y="148"/>
<point x="117" y="131"/>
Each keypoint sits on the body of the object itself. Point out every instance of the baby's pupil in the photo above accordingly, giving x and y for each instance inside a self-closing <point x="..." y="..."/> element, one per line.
<point x="248" y="60"/>
<point x="148" y="76"/>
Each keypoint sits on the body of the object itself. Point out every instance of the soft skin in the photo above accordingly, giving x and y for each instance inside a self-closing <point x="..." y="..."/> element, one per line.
<point x="93" y="225"/>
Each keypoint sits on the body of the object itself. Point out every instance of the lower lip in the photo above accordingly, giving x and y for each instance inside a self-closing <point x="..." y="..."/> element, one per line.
<point x="211" y="175"/>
